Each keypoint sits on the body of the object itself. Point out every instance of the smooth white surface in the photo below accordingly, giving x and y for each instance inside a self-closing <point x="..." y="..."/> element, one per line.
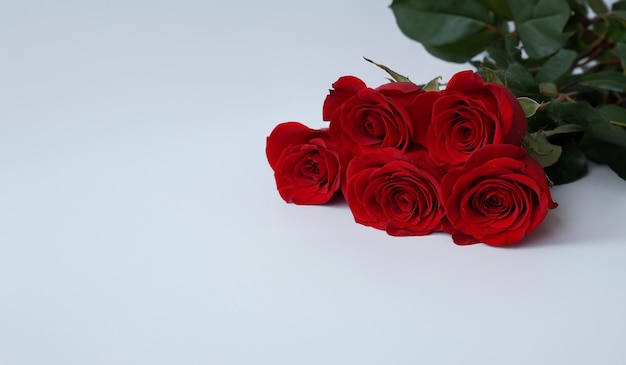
<point x="139" y="222"/>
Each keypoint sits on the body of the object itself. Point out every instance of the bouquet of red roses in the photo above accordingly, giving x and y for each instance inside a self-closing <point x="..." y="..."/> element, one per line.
<point x="413" y="160"/>
<point x="476" y="159"/>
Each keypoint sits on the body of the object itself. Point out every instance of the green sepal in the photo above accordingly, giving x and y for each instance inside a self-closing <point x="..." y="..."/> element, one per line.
<point x="489" y="75"/>
<point x="394" y="75"/>
<point x="432" y="85"/>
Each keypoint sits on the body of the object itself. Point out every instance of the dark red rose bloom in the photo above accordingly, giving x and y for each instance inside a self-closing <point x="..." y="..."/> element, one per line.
<point x="363" y="119"/>
<point x="308" y="166"/>
<point x="496" y="97"/>
<point x="343" y="89"/>
<point x="396" y="192"/>
<point x="421" y="111"/>
<point x="466" y="116"/>
<point x="497" y="197"/>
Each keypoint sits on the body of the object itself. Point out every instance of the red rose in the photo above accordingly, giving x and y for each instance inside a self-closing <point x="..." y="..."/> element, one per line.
<point x="395" y="192"/>
<point x="497" y="197"/>
<point x="495" y="97"/>
<point x="343" y="89"/>
<point x="468" y="115"/>
<point x="364" y="119"/>
<point x="307" y="165"/>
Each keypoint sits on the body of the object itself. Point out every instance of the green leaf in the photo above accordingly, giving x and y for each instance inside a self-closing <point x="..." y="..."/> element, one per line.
<point x="574" y="112"/>
<point x="605" y="80"/>
<point x="619" y="5"/>
<point x="619" y="8"/>
<point x="556" y="66"/>
<point x="595" y="151"/>
<point x="540" y="24"/>
<point x="440" y="22"/>
<point x="499" y="7"/>
<point x="528" y="105"/>
<point x="540" y="149"/>
<point x="617" y="162"/>
<point x="607" y="132"/>
<point x="613" y="27"/>
<point x="504" y="51"/>
<point x="620" y="52"/>
<point x="519" y="80"/>
<point x="548" y="89"/>
<point x="541" y="121"/>
<point x="452" y="30"/>
<point x="564" y="129"/>
<point x="394" y="75"/>
<point x="609" y="154"/>
<point x="616" y="115"/>
<point x="571" y="166"/>
<point x="578" y="6"/>
<point x="596" y="125"/>
<point x="463" y="50"/>
<point x="598" y="6"/>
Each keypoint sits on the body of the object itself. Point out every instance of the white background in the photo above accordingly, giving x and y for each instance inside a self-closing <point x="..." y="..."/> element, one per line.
<point x="140" y="224"/>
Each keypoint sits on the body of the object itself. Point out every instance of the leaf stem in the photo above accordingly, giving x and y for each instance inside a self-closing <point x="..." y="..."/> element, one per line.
<point x="494" y="29"/>
<point x="596" y="48"/>
<point x="619" y="124"/>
